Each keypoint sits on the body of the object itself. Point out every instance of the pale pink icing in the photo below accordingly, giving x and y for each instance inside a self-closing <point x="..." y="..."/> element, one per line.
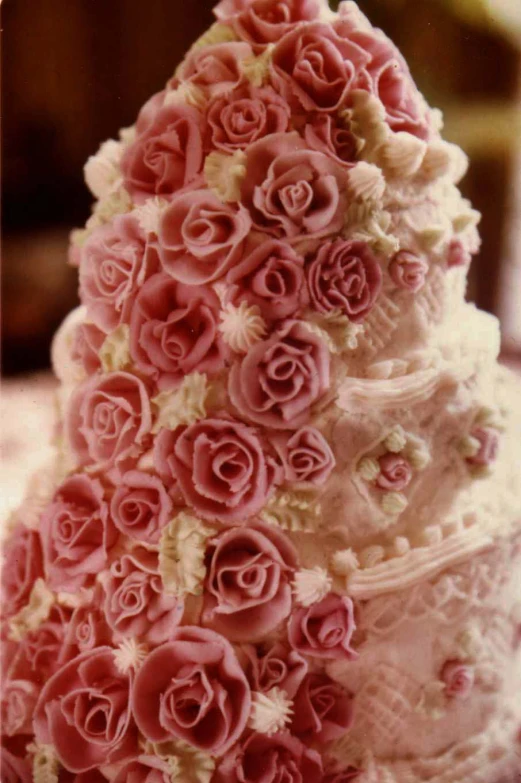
<point x="145" y="769"/>
<point x="408" y="271"/>
<point x="86" y="345"/>
<point x="324" y="133"/>
<point x="458" y="678"/>
<point x="395" y="472"/>
<point x="488" y="439"/>
<point x="265" y="21"/>
<point x="13" y="768"/>
<point x="17" y="706"/>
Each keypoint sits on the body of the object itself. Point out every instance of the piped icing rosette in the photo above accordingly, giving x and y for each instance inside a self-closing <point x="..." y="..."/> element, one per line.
<point x="266" y="418"/>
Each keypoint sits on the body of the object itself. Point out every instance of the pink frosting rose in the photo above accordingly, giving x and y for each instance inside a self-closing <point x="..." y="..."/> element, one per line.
<point x="76" y="534"/>
<point x="23" y="564"/>
<point x="174" y="331"/>
<point x="457" y="254"/>
<point x="245" y="115"/>
<point x="42" y="652"/>
<point x="136" y="604"/>
<point x="343" y="776"/>
<point x="276" y="667"/>
<point x="324" y="630"/>
<point x="193" y="689"/>
<point x="281" y="378"/>
<point x="145" y="769"/>
<point x="92" y="776"/>
<point x="317" y="67"/>
<point x="388" y="77"/>
<point x="344" y="275"/>
<point x="272" y="278"/>
<point x="219" y="466"/>
<point x="214" y="69"/>
<point x="408" y="271"/>
<point x="395" y="472"/>
<point x="324" y="134"/>
<point x="14" y="769"/>
<point x="141" y="507"/>
<point x="168" y="154"/>
<point x="87" y="628"/>
<point x="323" y="710"/>
<point x="115" y="262"/>
<point x="84" y="712"/>
<point x="248" y="582"/>
<point x="292" y="191"/>
<point x="277" y="759"/>
<point x="108" y="419"/>
<point x="265" y="21"/>
<point x="488" y="439"/>
<point x="458" y="678"/>
<point x="200" y="238"/>
<point x="305" y="455"/>
<point x="86" y="345"/>
<point x="18" y="702"/>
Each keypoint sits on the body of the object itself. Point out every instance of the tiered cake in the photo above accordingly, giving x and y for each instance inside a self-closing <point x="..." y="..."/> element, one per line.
<point x="281" y="541"/>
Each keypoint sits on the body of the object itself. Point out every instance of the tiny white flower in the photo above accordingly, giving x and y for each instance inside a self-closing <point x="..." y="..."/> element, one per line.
<point x="149" y="214"/>
<point x="311" y="585"/>
<point x="130" y="655"/>
<point x="271" y="711"/>
<point x="242" y="326"/>
<point x="344" y="562"/>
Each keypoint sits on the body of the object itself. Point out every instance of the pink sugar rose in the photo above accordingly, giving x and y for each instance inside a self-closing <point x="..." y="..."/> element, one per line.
<point x="76" y="534"/>
<point x="220" y="468"/>
<point x="23" y="564"/>
<point x="247" y="590"/>
<point x="115" y="262"/>
<point x="281" y="378"/>
<point x="323" y="710"/>
<point x="140" y="507"/>
<point x="214" y="69"/>
<point x="18" y="702"/>
<point x="87" y="628"/>
<point x="200" y="238"/>
<point x="488" y="439"/>
<point x="108" y="419"/>
<point x="174" y="331"/>
<point x="84" y="711"/>
<point x="395" y="472"/>
<point x="324" y="630"/>
<point x="86" y="345"/>
<point x="266" y="21"/>
<point x="457" y="254"/>
<point x="292" y="191"/>
<point x="458" y="678"/>
<point x="408" y="271"/>
<point x="277" y="667"/>
<point x="167" y="155"/>
<point x="305" y="455"/>
<point x="317" y="67"/>
<point x="42" y="652"/>
<point x="271" y="277"/>
<point x="239" y="118"/>
<point x="387" y="76"/>
<point x="92" y="776"/>
<point x="324" y="134"/>
<point x="344" y="275"/>
<point x="145" y="769"/>
<point x="277" y="759"/>
<point x="136" y="604"/>
<point x="343" y="776"/>
<point x="14" y="769"/>
<point x="193" y="689"/>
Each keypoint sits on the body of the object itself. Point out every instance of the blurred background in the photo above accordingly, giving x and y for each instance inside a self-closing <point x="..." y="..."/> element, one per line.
<point x="75" y="71"/>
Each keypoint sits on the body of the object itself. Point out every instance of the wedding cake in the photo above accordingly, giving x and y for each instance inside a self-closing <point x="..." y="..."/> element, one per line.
<point x="281" y="539"/>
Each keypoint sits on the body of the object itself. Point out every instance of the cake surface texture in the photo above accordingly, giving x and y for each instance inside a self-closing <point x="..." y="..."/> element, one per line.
<point x="280" y="541"/>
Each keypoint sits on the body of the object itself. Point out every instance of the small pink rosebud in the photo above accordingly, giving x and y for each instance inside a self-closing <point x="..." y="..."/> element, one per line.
<point x="458" y="678"/>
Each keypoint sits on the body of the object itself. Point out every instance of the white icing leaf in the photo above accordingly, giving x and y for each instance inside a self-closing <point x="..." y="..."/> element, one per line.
<point x="181" y="554"/>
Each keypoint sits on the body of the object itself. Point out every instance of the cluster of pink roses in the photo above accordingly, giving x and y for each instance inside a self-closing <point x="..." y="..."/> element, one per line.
<point x="278" y="247"/>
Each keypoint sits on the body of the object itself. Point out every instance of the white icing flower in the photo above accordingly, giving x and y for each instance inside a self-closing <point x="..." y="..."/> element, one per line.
<point x="115" y="351"/>
<point x="271" y="711"/>
<point x="102" y="169"/>
<point x="372" y="556"/>
<point x="311" y="585"/>
<point x="182" y="550"/>
<point x="469" y="446"/>
<point x="257" y="69"/>
<point x="224" y="174"/>
<point x="46" y="766"/>
<point x="185" y="405"/>
<point x="149" y="214"/>
<point x="344" y="562"/>
<point x="403" y="154"/>
<point x="396" y="440"/>
<point x="130" y="655"/>
<point x="295" y="511"/>
<point x="368" y="468"/>
<point x="242" y="326"/>
<point x="63" y="366"/>
<point x="34" y="613"/>
<point x="393" y="503"/>
<point x="185" y="763"/>
<point x="117" y="202"/>
<point x="366" y="182"/>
